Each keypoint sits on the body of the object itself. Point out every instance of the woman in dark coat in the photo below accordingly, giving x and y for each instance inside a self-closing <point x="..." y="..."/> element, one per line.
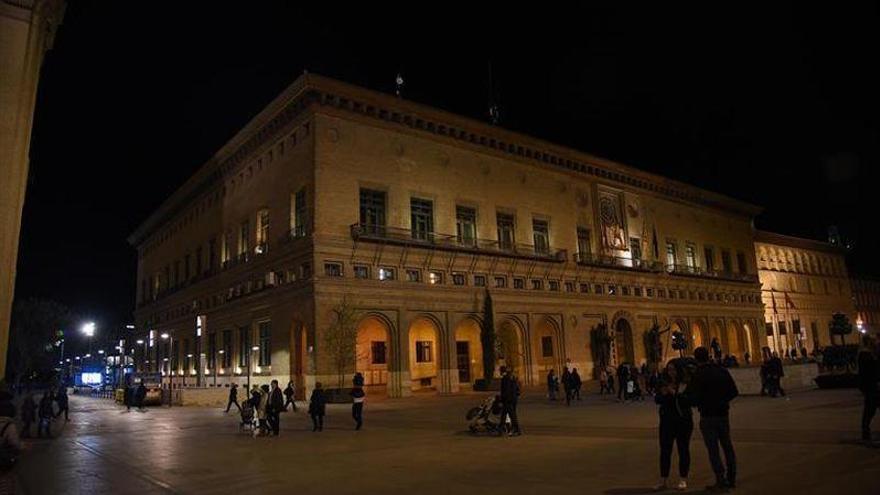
<point x="676" y="425"/>
<point x="317" y="407"/>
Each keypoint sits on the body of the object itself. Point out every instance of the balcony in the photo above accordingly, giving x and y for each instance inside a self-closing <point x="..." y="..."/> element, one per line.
<point x="695" y="271"/>
<point x="604" y="261"/>
<point x="434" y="240"/>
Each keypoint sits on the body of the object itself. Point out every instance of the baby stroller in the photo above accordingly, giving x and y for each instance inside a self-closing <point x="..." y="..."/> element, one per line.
<point x="481" y="417"/>
<point x="247" y="417"/>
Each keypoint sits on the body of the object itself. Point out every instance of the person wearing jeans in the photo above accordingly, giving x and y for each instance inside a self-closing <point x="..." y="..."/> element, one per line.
<point x="676" y="425"/>
<point x="711" y="390"/>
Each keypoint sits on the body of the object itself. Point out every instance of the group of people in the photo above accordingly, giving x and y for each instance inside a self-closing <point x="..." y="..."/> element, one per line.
<point x="771" y="376"/>
<point x="709" y="388"/>
<point x="267" y="402"/>
<point x="43" y="412"/>
<point x="134" y="396"/>
<point x="571" y="384"/>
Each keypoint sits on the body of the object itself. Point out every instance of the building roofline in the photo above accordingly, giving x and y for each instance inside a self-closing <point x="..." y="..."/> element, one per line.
<point x="768" y="237"/>
<point x="309" y="89"/>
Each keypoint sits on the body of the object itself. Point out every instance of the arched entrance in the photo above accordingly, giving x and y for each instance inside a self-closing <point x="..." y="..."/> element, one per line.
<point x="510" y="348"/>
<point x="623" y="342"/>
<point x="545" y="347"/>
<point x="468" y="351"/>
<point x="373" y="353"/>
<point x="736" y="345"/>
<point x="716" y="338"/>
<point x="424" y="353"/>
<point x="699" y="336"/>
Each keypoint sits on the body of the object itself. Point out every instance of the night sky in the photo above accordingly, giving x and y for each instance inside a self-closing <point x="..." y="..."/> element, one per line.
<point x="777" y="106"/>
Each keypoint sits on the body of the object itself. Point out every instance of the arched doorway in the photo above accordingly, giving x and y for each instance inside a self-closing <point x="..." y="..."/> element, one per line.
<point x="716" y="338"/>
<point x="424" y="353"/>
<point x="510" y="347"/>
<point x="373" y="353"/>
<point x="735" y="340"/>
<point x="623" y="342"/>
<point x="545" y="347"/>
<point x="699" y="335"/>
<point x="468" y="351"/>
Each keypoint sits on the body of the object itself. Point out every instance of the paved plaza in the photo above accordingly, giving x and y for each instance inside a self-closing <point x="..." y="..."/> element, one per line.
<point x="418" y="445"/>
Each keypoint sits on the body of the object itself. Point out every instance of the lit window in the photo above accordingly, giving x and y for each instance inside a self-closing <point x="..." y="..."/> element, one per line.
<point x="424" y="351"/>
<point x="386" y="273"/>
<point x="435" y="278"/>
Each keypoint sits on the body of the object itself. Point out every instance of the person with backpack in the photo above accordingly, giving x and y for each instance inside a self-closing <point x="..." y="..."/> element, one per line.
<point x="274" y="408"/>
<point x="290" y="396"/>
<point x="711" y="390"/>
<point x="357" y="405"/>
<point x="317" y="407"/>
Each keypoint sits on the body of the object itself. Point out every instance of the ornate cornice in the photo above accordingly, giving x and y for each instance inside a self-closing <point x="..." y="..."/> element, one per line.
<point x="312" y="91"/>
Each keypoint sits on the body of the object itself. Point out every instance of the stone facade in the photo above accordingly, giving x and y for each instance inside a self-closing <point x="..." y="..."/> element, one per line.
<point x="27" y="30"/>
<point x="803" y="282"/>
<point x="866" y="295"/>
<point x="411" y="216"/>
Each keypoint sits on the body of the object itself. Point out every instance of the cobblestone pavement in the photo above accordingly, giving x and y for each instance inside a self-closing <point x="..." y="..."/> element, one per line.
<point x="807" y="444"/>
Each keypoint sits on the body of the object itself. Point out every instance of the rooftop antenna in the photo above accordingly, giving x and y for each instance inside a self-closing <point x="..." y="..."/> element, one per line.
<point x="399" y="84"/>
<point x="494" y="114"/>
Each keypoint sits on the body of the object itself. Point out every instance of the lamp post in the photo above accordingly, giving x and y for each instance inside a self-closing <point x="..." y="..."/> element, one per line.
<point x="88" y="329"/>
<point x="143" y="343"/>
<point x="170" y="339"/>
<point x="250" y="366"/>
<point x="221" y="352"/>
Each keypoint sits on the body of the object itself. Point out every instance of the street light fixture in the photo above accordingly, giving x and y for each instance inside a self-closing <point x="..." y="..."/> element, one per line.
<point x="170" y="339"/>
<point x="88" y="329"/>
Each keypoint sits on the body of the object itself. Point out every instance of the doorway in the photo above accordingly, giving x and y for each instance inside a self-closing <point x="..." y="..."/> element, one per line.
<point x="463" y="357"/>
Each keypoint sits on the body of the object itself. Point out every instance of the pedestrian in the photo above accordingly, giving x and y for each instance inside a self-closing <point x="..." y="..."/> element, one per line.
<point x="28" y="415"/>
<point x="263" y="409"/>
<point x="255" y="397"/>
<point x="233" y="398"/>
<point x="290" y="395"/>
<point x="611" y="383"/>
<point x="358" y="379"/>
<point x="776" y="374"/>
<point x="357" y="405"/>
<point x="576" y="383"/>
<point x="676" y="425"/>
<point x="552" y="384"/>
<point x="509" y="397"/>
<point x="711" y="390"/>
<point x="275" y="406"/>
<point x="63" y="403"/>
<point x="45" y="413"/>
<point x="317" y="407"/>
<point x="140" y="394"/>
<point x="622" y="379"/>
<point x="603" y="382"/>
<point x="747" y="356"/>
<point x="127" y="397"/>
<point x="868" y="375"/>
<point x="10" y="443"/>
<point x="716" y="349"/>
<point x="566" y="385"/>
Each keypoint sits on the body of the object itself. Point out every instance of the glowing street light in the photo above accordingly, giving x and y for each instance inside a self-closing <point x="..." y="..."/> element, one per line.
<point x="88" y="329"/>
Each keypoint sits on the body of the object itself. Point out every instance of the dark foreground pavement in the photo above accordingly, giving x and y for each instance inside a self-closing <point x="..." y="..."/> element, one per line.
<point x="419" y="446"/>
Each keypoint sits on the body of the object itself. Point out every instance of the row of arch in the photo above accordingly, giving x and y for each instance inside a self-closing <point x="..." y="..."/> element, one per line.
<point x="772" y="258"/>
<point x="431" y="356"/>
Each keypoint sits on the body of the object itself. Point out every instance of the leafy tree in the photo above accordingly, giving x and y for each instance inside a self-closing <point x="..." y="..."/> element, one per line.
<point x="600" y="346"/>
<point x="841" y="326"/>
<point x="34" y="330"/>
<point x="340" y="339"/>
<point x="488" y="338"/>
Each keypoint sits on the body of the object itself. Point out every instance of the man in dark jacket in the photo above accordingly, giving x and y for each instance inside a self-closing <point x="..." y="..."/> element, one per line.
<point x="622" y="378"/>
<point x="276" y="405"/>
<point x="139" y="395"/>
<point x="233" y="397"/>
<point x="776" y="374"/>
<point x="509" y="398"/>
<point x="868" y="374"/>
<point x="566" y="385"/>
<point x="711" y="389"/>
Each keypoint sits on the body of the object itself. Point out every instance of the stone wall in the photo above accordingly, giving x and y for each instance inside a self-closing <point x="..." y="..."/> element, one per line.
<point x="797" y="377"/>
<point x="205" y="397"/>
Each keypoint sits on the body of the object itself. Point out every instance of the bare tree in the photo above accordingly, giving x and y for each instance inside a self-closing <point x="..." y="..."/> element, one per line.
<point x="35" y="326"/>
<point x="340" y="339"/>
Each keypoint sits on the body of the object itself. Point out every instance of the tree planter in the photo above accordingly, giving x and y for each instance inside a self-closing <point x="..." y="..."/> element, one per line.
<point x="842" y="380"/>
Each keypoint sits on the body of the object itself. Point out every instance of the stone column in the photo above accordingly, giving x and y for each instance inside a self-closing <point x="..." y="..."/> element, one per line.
<point x="447" y="365"/>
<point x="399" y="381"/>
<point x="27" y="29"/>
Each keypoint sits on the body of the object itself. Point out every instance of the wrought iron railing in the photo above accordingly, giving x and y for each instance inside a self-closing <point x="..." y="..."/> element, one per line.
<point x="695" y="271"/>
<point x="436" y="240"/>
<point x="591" y="259"/>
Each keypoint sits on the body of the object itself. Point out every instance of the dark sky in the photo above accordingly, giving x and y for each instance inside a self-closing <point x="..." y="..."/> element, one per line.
<point x="773" y="105"/>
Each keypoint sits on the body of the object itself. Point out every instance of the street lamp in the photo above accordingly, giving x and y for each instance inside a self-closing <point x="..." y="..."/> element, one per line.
<point x="88" y="329"/>
<point x="250" y="366"/>
<point x="170" y="339"/>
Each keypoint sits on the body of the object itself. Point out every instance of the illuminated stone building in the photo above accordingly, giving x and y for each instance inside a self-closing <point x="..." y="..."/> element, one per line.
<point x="866" y="296"/>
<point x="803" y="282"/>
<point x="27" y="30"/>
<point x="412" y="215"/>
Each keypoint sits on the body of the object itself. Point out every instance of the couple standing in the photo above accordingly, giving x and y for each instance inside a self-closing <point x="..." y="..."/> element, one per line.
<point x="710" y="390"/>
